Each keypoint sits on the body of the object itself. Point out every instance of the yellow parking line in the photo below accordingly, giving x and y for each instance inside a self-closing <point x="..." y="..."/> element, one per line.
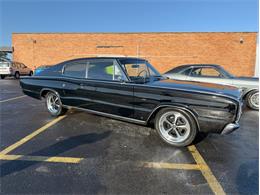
<point x="7" y="100"/>
<point x="158" y="165"/>
<point x="206" y="172"/>
<point x="30" y="136"/>
<point x="55" y="159"/>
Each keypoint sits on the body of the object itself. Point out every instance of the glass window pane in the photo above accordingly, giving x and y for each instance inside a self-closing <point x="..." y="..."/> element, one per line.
<point x="76" y="69"/>
<point x="205" y="72"/>
<point x="211" y="72"/>
<point x="104" y="70"/>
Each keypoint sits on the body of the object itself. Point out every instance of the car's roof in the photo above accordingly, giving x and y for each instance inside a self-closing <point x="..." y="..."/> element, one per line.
<point x="96" y="58"/>
<point x="109" y="57"/>
<point x="186" y="66"/>
<point x="196" y="65"/>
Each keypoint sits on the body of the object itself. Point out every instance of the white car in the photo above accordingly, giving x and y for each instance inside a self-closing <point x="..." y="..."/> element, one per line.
<point x="8" y="68"/>
<point x="212" y="73"/>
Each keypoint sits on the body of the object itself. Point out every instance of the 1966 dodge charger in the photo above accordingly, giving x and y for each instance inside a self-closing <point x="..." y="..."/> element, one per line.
<point x="130" y="89"/>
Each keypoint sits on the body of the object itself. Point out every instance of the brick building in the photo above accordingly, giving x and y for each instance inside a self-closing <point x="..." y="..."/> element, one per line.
<point x="236" y="52"/>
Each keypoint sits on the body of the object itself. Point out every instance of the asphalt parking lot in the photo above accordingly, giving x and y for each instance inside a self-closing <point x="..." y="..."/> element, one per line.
<point x="87" y="154"/>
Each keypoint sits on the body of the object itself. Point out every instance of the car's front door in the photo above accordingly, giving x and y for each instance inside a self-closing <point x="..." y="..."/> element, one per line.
<point x="112" y="95"/>
<point x="209" y="75"/>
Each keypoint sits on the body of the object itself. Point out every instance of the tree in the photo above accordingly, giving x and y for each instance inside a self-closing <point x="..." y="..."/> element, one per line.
<point x="4" y="55"/>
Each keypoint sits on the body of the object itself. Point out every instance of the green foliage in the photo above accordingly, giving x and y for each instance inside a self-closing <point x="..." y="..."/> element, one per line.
<point x="4" y="55"/>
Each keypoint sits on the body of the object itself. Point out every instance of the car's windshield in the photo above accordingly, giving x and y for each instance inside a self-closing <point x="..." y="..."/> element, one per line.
<point x="139" y="70"/>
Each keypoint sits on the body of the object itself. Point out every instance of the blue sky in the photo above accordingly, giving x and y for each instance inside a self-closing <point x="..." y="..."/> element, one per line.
<point x="126" y="16"/>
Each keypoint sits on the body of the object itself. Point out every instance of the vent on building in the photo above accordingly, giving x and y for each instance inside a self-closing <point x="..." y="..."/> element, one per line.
<point x="109" y="46"/>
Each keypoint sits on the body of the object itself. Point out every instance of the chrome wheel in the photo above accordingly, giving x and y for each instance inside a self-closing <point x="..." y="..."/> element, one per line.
<point x="254" y="99"/>
<point x="53" y="103"/>
<point x="174" y="127"/>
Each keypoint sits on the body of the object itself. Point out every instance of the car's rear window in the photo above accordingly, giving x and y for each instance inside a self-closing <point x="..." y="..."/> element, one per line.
<point x="4" y="64"/>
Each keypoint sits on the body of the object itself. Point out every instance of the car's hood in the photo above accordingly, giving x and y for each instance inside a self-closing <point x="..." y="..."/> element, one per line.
<point x="201" y="87"/>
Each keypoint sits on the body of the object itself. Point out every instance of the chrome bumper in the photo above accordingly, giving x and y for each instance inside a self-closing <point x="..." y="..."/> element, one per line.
<point x="230" y="128"/>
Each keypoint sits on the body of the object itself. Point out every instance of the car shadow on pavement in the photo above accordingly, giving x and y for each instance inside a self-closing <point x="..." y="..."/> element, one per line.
<point x="53" y="150"/>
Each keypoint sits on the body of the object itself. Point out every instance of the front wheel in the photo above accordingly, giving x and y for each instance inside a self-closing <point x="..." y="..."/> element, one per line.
<point x="31" y="73"/>
<point x="54" y="105"/>
<point x="2" y="76"/>
<point x="175" y="127"/>
<point x="252" y="100"/>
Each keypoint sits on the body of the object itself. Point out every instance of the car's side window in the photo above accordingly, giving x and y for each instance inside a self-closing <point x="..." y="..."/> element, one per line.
<point x="186" y="72"/>
<point x="205" y="72"/>
<point x="75" y="69"/>
<point x="104" y="70"/>
<point x="16" y="65"/>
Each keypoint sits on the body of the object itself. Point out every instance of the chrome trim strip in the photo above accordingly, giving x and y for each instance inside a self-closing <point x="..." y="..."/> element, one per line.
<point x="108" y="115"/>
<point x="49" y="89"/>
<point x="140" y="85"/>
<point x="229" y="128"/>
<point x="239" y="112"/>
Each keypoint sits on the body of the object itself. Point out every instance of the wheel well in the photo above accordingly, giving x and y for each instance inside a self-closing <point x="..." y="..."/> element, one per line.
<point x="44" y="92"/>
<point x="151" y="118"/>
<point x="244" y="97"/>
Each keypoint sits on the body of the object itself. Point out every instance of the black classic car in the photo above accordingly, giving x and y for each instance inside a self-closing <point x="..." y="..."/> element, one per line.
<point x="130" y="89"/>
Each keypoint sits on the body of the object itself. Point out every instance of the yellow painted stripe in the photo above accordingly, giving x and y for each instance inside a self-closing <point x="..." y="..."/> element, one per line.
<point x="206" y="172"/>
<point x="7" y="100"/>
<point x="55" y="159"/>
<point x="30" y="136"/>
<point x="170" y="166"/>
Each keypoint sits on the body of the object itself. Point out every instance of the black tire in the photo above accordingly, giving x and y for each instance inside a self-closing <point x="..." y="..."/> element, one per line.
<point x="191" y="130"/>
<point x="249" y="100"/>
<point x="2" y="76"/>
<point x="60" y="111"/>
<point x="31" y="73"/>
<point x="17" y="75"/>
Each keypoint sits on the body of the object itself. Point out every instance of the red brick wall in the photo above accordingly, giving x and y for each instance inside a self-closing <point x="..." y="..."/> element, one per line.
<point x="163" y="50"/>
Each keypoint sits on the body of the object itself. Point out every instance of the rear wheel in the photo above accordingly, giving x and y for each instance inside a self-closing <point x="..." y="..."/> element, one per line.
<point x="54" y="105"/>
<point x="175" y="127"/>
<point x="17" y="75"/>
<point x="2" y="76"/>
<point x="252" y="100"/>
<point x="31" y="73"/>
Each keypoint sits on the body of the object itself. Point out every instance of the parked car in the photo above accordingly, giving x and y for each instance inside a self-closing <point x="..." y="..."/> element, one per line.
<point x="40" y="69"/>
<point x="132" y="90"/>
<point x="9" y="68"/>
<point x="216" y="74"/>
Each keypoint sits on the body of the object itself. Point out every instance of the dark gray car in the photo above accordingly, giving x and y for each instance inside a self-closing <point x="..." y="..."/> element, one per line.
<point x="211" y="73"/>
